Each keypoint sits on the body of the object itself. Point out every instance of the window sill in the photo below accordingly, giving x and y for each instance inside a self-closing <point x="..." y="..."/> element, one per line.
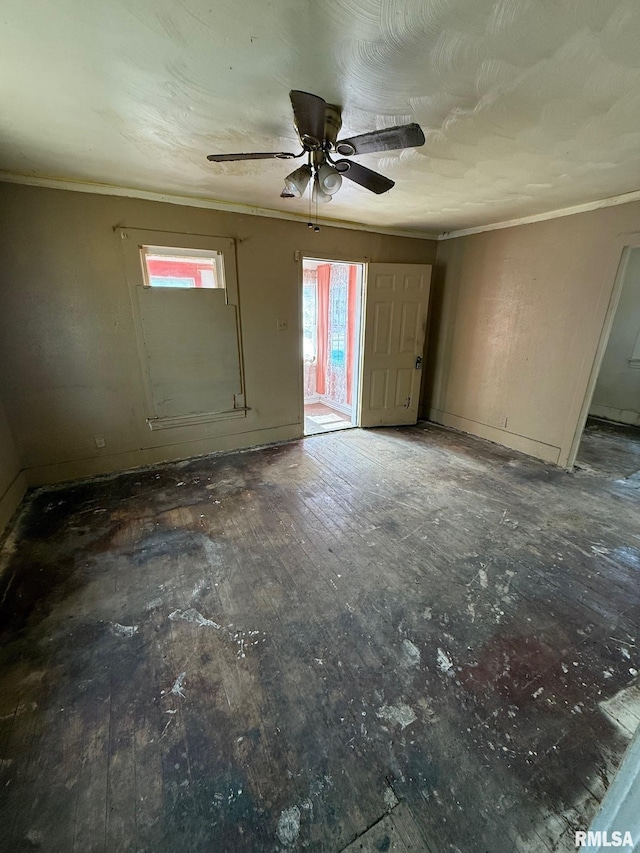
<point x="634" y="362"/>
<point x="194" y="420"/>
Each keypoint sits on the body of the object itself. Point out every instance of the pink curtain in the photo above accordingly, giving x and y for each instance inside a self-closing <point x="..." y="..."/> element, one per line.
<point x="351" y="327"/>
<point x="324" y="278"/>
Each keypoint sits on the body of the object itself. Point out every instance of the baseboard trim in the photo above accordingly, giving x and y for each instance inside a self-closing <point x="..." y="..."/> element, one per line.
<point x="522" y="443"/>
<point x="618" y="416"/>
<point x="78" y="469"/>
<point x="12" y="498"/>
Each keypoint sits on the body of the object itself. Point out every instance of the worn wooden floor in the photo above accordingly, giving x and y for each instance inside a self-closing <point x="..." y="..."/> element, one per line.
<point x="609" y="449"/>
<point x="381" y="640"/>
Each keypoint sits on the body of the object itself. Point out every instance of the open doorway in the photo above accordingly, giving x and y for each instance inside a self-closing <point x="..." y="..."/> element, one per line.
<point x="331" y="357"/>
<point x="610" y="442"/>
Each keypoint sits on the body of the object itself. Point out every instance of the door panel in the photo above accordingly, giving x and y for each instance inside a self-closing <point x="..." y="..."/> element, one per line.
<point x="409" y="330"/>
<point x="397" y="299"/>
<point x="382" y="328"/>
<point x="404" y="382"/>
<point x="379" y="386"/>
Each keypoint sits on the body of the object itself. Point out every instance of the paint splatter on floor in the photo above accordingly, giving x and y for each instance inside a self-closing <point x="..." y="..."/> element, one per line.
<point x="330" y="643"/>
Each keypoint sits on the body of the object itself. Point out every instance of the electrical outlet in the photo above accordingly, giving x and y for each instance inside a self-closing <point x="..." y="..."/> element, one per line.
<point x="99" y="440"/>
<point x="502" y="423"/>
<point x="283" y="325"/>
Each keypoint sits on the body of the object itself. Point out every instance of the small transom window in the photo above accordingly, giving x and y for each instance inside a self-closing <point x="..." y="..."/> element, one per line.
<point x="182" y="268"/>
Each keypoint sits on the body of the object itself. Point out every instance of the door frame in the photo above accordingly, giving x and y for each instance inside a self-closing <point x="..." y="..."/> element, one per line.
<point x="616" y="271"/>
<point x="364" y="262"/>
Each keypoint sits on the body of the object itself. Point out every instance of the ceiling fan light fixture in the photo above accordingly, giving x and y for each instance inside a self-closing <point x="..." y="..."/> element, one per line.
<point x="329" y="178"/>
<point x="296" y="183"/>
<point x="318" y="195"/>
<point x="346" y="149"/>
<point x="318" y="125"/>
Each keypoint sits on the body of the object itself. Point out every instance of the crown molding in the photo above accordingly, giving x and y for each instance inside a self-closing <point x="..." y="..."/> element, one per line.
<point x="612" y="201"/>
<point x="269" y="213"/>
<point x="207" y="203"/>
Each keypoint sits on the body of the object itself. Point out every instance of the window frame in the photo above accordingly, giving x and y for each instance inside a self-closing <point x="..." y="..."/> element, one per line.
<point x="134" y="242"/>
<point x="176" y="252"/>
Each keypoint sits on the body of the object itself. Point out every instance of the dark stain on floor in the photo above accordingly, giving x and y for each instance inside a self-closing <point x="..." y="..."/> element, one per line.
<point x="270" y="650"/>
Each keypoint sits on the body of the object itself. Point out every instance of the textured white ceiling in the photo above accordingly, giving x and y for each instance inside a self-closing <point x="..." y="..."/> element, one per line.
<point x="527" y="105"/>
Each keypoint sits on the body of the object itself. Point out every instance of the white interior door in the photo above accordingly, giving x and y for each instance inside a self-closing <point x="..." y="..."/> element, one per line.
<point x="397" y="299"/>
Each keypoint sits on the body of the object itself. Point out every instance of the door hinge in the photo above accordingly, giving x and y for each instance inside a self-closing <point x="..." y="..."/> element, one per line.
<point x="418" y="362"/>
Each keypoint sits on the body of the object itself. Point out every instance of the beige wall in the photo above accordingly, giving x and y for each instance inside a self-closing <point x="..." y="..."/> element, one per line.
<point x="617" y="392"/>
<point x="70" y="368"/>
<point x="12" y="484"/>
<point x="516" y="319"/>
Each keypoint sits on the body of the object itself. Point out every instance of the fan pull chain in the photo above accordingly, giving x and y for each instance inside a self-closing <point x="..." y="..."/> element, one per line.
<point x="310" y="223"/>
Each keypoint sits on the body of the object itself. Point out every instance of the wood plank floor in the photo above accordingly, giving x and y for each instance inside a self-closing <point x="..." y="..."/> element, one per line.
<point x="401" y="639"/>
<point x="610" y="449"/>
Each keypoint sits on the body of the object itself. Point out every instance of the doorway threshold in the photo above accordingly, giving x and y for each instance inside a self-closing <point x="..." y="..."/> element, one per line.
<point x="319" y="417"/>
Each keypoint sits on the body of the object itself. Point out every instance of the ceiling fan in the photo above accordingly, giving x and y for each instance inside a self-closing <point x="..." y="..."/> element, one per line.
<point x="318" y="124"/>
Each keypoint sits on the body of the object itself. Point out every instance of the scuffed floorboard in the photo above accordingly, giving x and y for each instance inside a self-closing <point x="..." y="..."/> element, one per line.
<point x="396" y="832"/>
<point x="266" y="651"/>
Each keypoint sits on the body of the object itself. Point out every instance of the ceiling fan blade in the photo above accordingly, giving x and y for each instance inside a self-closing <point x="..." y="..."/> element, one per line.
<point x="308" y="114"/>
<point x="367" y="178"/>
<point x="387" y="139"/>
<point x="225" y="158"/>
